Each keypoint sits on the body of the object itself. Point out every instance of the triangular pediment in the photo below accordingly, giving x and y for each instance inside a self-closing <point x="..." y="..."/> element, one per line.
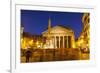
<point x="58" y="29"/>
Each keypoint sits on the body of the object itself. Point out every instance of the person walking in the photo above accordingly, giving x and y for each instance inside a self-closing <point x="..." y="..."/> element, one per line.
<point x="28" y="55"/>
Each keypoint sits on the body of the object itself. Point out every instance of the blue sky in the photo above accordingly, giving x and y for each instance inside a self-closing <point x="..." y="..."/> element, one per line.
<point x="35" y="22"/>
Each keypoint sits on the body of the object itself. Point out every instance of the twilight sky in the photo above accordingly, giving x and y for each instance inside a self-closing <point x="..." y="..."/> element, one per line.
<point x="35" y="22"/>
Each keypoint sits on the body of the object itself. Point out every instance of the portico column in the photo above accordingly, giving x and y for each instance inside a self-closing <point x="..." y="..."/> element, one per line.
<point x="55" y="41"/>
<point x="63" y="43"/>
<point x="67" y="43"/>
<point x="59" y="41"/>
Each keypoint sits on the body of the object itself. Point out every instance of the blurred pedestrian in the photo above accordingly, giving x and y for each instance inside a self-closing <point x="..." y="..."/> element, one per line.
<point x="28" y="54"/>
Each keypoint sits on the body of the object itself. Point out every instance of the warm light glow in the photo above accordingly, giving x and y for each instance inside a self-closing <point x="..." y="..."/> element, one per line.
<point x="81" y="41"/>
<point x="73" y="45"/>
<point x="31" y="42"/>
<point x="24" y="43"/>
<point x="38" y="46"/>
<point x="37" y="42"/>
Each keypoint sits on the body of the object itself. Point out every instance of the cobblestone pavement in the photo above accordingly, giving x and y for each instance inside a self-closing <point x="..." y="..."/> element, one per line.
<point x="56" y="55"/>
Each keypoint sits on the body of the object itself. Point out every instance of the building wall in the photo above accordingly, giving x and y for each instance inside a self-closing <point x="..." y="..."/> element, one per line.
<point x="84" y="39"/>
<point x="58" y="35"/>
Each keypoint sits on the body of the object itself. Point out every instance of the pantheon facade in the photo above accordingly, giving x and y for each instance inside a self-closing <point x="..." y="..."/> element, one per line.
<point x="59" y="37"/>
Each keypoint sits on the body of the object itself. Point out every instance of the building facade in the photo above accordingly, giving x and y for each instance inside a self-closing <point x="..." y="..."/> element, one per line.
<point x="59" y="37"/>
<point x="84" y="39"/>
